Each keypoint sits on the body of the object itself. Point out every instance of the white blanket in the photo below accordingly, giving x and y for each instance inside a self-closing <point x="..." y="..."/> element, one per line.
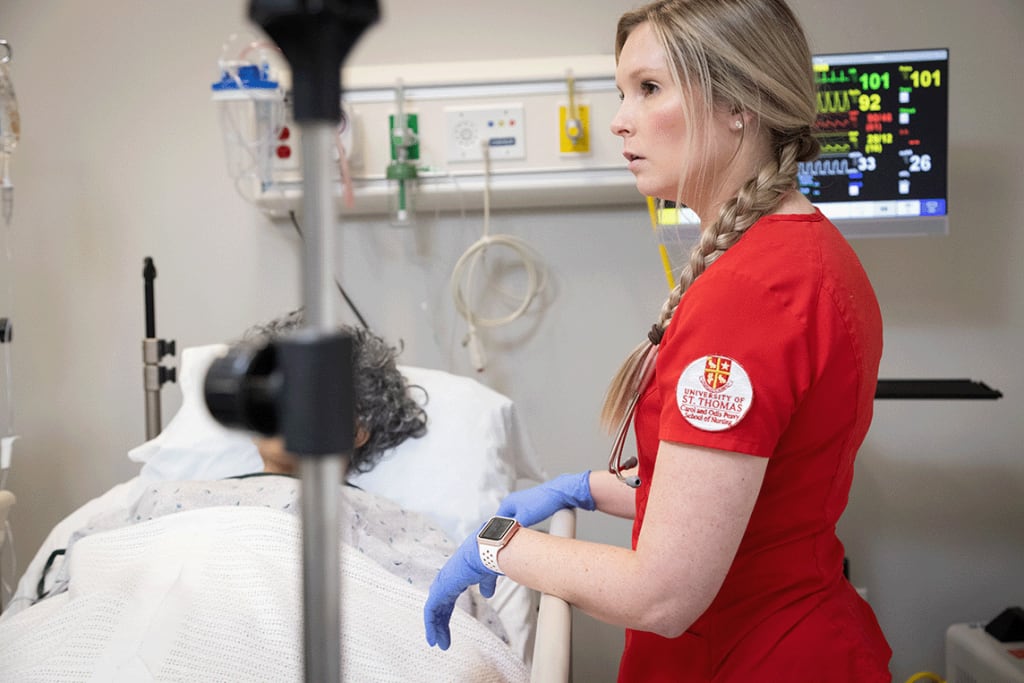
<point x="215" y="594"/>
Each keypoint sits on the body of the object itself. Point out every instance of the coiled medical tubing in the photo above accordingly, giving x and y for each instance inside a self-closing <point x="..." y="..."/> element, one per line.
<point x="535" y="274"/>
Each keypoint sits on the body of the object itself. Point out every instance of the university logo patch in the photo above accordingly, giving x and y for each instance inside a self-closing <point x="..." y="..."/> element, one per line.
<point x="714" y="393"/>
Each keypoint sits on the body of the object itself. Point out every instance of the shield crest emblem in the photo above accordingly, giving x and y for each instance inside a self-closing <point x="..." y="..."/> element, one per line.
<point x="716" y="372"/>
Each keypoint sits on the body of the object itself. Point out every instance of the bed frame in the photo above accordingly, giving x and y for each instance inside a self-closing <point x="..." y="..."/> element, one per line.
<point x="552" y="650"/>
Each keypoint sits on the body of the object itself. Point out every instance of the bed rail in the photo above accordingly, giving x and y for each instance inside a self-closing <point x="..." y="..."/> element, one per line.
<point x="6" y="503"/>
<point x="552" y="651"/>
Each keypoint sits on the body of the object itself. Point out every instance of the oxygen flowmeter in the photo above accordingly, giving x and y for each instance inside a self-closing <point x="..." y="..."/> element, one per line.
<point x="405" y="151"/>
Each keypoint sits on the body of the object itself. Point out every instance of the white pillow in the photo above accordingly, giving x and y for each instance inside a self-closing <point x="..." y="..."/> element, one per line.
<point x="474" y="451"/>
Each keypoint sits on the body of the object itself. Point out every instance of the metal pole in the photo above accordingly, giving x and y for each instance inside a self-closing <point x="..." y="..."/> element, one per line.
<point x="320" y="568"/>
<point x="315" y="36"/>
<point x="321" y="476"/>
<point x="318" y="214"/>
<point x="151" y="385"/>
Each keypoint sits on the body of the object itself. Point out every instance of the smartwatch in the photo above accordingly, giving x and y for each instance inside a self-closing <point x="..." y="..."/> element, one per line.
<point x="493" y="537"/>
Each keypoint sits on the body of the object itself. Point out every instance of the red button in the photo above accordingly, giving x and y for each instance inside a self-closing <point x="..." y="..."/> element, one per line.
<point x="284" y="152"/>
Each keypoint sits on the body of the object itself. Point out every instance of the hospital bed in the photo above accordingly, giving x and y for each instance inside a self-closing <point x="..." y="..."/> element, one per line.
<point x="474" y="453"/>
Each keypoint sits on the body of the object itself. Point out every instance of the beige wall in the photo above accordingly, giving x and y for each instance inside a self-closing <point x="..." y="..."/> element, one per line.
<point x="121" y="158"/>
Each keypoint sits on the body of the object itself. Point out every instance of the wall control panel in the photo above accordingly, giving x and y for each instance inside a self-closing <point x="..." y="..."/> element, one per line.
<point x="502" y="128"/>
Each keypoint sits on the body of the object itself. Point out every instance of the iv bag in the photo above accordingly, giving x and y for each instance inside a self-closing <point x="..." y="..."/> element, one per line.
<point x="10" y="131"/>
<point x="10" y="122"/>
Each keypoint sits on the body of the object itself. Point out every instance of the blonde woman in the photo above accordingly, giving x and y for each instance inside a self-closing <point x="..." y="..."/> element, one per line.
<point x="750" y="396"/>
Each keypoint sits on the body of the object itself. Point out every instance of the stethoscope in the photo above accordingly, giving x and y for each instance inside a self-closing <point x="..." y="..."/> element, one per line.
<point x="615" y="464"/>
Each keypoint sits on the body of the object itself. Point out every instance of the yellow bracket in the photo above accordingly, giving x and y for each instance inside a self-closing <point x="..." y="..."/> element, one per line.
<point x="567" y="145"/>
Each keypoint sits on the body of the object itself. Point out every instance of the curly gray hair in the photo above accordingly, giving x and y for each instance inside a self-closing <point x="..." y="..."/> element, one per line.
<point x="385" y="407"/>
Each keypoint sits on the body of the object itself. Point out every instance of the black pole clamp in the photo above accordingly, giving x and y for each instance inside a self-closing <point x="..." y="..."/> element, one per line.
<point x="299" y="387"/>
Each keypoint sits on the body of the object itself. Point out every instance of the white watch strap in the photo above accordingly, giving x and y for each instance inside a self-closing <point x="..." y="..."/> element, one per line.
<point x="489" y="556"/>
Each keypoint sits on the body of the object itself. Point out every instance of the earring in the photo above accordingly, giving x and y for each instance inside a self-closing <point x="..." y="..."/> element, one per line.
<point x="738" y="124"/>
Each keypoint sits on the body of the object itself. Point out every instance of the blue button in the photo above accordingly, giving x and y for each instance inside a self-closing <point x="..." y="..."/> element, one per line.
<point x="933" y="207"/>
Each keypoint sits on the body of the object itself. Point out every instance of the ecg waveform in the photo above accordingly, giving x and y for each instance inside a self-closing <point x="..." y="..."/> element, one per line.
<point x="833" y="77"/>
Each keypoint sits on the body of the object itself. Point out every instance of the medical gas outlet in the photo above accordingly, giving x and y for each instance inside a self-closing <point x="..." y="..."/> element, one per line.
<point x="502" y="127"/>
<point x="574" y="129"/>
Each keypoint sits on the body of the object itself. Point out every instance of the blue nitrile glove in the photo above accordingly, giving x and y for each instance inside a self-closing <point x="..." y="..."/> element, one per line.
<point x="462" y="570"/>
<point x="536" y="504"/>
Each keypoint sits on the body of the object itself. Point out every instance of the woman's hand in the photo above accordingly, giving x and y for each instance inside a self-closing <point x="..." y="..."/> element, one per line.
<point x="536" y="504"/>
<point x="462" y="570"/>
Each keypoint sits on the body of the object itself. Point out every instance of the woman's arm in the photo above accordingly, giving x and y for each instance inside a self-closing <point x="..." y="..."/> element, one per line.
<point x="612" y="496"/>
<point x="700" y="502"/>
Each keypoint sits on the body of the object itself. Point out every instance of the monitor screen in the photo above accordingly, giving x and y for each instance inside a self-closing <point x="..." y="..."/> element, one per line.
<point x="883" y="128"/>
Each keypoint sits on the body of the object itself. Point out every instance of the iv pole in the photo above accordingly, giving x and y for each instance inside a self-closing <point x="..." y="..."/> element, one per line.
<point x="316" y="36"/>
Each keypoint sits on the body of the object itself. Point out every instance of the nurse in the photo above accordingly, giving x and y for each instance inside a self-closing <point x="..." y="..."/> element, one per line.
<point x="750" y="396"/>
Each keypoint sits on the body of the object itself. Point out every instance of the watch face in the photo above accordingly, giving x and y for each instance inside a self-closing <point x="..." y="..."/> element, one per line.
<point x="496" y="528"/>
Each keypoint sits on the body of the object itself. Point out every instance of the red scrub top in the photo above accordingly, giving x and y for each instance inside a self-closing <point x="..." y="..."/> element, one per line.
<point x="773" y="352"/>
